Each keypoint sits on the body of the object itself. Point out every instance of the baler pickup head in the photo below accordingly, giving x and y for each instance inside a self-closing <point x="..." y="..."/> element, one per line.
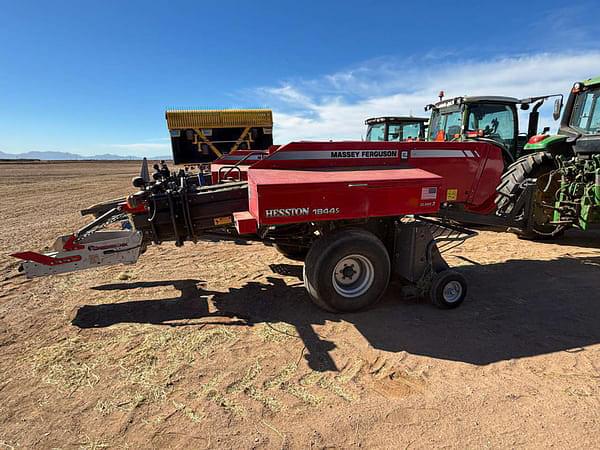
<point x="100" y="248"/>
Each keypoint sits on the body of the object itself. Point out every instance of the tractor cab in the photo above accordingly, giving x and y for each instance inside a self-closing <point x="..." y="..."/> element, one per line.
<point x="581" y="119"/>
<point x="490" y="118"/>
<point x="569" y="162"/>
<point x="396" y="128"/>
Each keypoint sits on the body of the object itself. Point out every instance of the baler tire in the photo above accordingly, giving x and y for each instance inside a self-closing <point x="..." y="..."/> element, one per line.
<point x="367" y="259"/>
<point x="448" y="289"/>
<point x="292" y="252"/>
<point x="526" y="167"/>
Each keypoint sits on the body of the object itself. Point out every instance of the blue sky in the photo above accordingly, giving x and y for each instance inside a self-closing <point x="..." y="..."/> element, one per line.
<point x="96" y="76"/>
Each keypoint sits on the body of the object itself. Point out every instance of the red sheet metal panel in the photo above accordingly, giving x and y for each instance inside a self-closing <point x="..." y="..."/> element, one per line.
<point x="228" y="172"/>
<point x="291" y="196"/>
<point x="241" y="159"/>
<point x="471" y="170"/>
<point x="245" y="223"/>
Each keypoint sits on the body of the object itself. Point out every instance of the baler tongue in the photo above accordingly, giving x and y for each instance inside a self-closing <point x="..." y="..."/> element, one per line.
<point x="100" y="248"/>
<point x="89" y="247"/>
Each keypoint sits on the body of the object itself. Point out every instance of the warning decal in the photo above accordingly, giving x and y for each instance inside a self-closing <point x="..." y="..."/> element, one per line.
<point x="452" y="195"/>
<point x="428" y="193"/>
<point x="225" y="220"/>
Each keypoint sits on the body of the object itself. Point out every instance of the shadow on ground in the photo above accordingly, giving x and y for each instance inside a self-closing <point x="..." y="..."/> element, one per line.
<point x="252" y="304"/>
<point x="191" y="304"/>
<point x="515" y="309"/>
<point x="572" y="238"/>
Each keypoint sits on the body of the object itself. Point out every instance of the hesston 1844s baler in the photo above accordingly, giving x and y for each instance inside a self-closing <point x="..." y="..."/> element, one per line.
<point x="354" y="212"/>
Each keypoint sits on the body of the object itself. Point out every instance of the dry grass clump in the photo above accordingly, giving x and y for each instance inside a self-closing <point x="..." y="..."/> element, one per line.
<point x="283" y="381"/>
<point x="271" y="403"/>
<point x="147" y="370"/>
<point x="336" y="384"/>
<point x="92" y="444"/>
<point x="213" y="392"/>
<point x="246" y="381"/>
<point x="277" y="332"/>
<point x="63" y="366"/>
<point x="300" y="389"/>
<point x="247" y="385"/>
<point x="303" y="394"/>
<point x="284" y="374"/>
<point x="155" y="363"/>
<point x="149" y="365"/>
<point x="188" y="412"/>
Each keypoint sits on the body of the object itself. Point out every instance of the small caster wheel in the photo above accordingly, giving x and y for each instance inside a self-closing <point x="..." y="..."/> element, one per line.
<point x="448" y="289"/>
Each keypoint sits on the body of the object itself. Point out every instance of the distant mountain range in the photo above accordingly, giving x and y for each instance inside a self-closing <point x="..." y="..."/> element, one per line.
<point x="65" y="156"/>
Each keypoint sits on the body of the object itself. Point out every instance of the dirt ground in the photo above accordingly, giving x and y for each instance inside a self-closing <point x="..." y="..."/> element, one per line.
<point x="216" y="345"/>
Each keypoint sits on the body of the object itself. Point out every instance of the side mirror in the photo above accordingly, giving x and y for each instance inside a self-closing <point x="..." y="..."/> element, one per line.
<point x="558" y="104"/>
<point x="546" y="130"/>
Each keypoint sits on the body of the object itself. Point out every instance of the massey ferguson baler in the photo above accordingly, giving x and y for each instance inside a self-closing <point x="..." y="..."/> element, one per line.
<point x="354" y="212"/>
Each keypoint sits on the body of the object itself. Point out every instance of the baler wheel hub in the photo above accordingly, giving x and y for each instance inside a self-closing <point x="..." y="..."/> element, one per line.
<point x="348" y="272"/>
<point x="353" y="275"/>
<point x="452" y="291"/>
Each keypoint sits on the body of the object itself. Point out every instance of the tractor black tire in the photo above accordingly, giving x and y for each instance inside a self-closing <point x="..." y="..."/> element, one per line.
<point x="293" y="252"/>
<point x="532" y="166"/>
<point x="448" y="289"/>
<point x="347" y="270"/>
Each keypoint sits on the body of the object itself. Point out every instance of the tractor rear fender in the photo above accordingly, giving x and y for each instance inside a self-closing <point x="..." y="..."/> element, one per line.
<point x="486" y="181"/>
<point x="542" y="142"/>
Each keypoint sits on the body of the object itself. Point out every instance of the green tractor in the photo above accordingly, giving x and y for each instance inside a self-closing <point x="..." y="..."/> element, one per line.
<point x="565" y="167"/>
<point x="399" y="128"/>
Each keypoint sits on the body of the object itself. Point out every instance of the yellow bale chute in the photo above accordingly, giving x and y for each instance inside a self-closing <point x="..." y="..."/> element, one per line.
<point x="215" y="118"/>
<point x="201" y="136"/>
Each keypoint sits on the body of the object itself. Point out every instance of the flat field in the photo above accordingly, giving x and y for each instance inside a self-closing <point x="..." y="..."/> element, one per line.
<point x="216" y="345"/>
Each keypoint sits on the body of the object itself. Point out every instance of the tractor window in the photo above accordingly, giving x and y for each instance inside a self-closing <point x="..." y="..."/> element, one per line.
<point x="411" y="131"/>
<point x="376" y="132"/>
<point x="496" y="122"/>
<point x="394" y="132"/>
<point x="400" y="132"/>
<point x="586" y="112"/>
<point x="445" y="125"/>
